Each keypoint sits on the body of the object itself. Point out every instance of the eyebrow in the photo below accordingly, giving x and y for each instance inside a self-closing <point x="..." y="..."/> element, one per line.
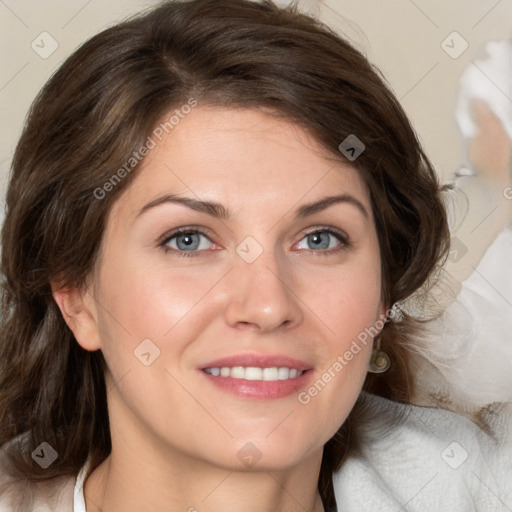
<point x="218" y="211"/>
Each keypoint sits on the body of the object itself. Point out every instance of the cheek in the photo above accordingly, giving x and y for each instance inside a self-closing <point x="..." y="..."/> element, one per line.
<point x="170" y="298"/>
<point x="349" y="309"/>
<point x="348" y="300"/>
<point x="151" y="301"/>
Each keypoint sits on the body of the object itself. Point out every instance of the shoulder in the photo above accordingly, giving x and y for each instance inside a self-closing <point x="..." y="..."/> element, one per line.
<point x="20" y="494"/>
<point x="421" y="459"/>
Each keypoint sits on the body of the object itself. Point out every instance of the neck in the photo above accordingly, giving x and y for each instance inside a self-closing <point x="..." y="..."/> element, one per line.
<point x="135" y="485"/>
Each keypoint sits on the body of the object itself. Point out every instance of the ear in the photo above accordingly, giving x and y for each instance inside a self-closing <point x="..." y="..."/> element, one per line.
<point x="78" y="309"/>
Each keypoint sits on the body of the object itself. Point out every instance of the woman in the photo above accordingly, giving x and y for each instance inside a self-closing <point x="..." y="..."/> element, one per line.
<point x="213" y="211"/>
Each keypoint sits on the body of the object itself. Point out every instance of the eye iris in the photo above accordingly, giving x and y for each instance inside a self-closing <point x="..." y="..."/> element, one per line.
<point x="188" y="240"/>
<point x="316" y="238"/>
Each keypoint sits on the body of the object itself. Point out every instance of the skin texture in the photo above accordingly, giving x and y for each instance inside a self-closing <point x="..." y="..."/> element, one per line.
<point x="176" y="436"/>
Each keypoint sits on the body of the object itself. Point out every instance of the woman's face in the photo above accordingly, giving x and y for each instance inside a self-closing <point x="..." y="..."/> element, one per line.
<point x="270" y="273"/>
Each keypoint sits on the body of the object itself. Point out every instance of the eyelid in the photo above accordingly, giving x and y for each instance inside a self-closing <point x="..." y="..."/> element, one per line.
<point x="343" y="236"/>
<point x="184" y="229"/>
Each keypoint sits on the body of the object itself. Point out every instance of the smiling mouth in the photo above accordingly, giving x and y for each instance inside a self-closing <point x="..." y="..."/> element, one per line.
<point x="272" y="373"/>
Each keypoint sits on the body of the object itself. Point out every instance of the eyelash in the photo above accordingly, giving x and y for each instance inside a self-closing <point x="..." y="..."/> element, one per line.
<point x="340" y="235"/>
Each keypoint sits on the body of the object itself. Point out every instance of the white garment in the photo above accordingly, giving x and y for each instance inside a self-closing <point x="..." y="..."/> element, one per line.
<point x="78" y="492"/>
<point x="470" y="344"/>
<point x="433" y="461"/>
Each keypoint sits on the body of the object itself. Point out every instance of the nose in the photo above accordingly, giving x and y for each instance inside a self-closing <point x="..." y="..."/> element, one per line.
<point x="260" y="295"/>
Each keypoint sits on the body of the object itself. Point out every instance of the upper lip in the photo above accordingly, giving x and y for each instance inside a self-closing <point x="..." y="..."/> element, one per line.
<point x="258" y="361"/>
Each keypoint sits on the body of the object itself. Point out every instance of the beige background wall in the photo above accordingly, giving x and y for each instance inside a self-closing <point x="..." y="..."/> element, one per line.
<point x="403" y="37"/>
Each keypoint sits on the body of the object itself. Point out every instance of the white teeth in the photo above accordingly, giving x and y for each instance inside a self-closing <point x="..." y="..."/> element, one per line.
<point x="255" y="373"/>
<point x="270" y="373"/>
<point x="238" y="372"/>
<point x="252" y="373"/>
<point x="283" y="373"/>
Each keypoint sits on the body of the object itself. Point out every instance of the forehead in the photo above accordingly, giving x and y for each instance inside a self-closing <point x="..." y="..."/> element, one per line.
<point x="238" y="157"/>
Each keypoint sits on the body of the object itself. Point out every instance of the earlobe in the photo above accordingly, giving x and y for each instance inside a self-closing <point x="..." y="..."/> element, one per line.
<point x="79" y="313"/>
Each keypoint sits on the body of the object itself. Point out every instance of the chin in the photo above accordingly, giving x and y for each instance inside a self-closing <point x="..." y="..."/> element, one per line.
<point x="270" y="452"/>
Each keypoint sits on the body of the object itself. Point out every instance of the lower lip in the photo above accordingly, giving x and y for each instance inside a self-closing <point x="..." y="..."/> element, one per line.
<point x="260" y="389"/>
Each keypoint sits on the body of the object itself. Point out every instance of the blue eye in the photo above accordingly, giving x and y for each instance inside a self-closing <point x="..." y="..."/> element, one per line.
<point x="186" y="240"/>
<point x="325" y="239"/>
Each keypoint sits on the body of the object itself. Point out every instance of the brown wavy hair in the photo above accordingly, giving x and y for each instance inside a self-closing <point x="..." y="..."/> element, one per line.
<point x="99" y="107"/>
